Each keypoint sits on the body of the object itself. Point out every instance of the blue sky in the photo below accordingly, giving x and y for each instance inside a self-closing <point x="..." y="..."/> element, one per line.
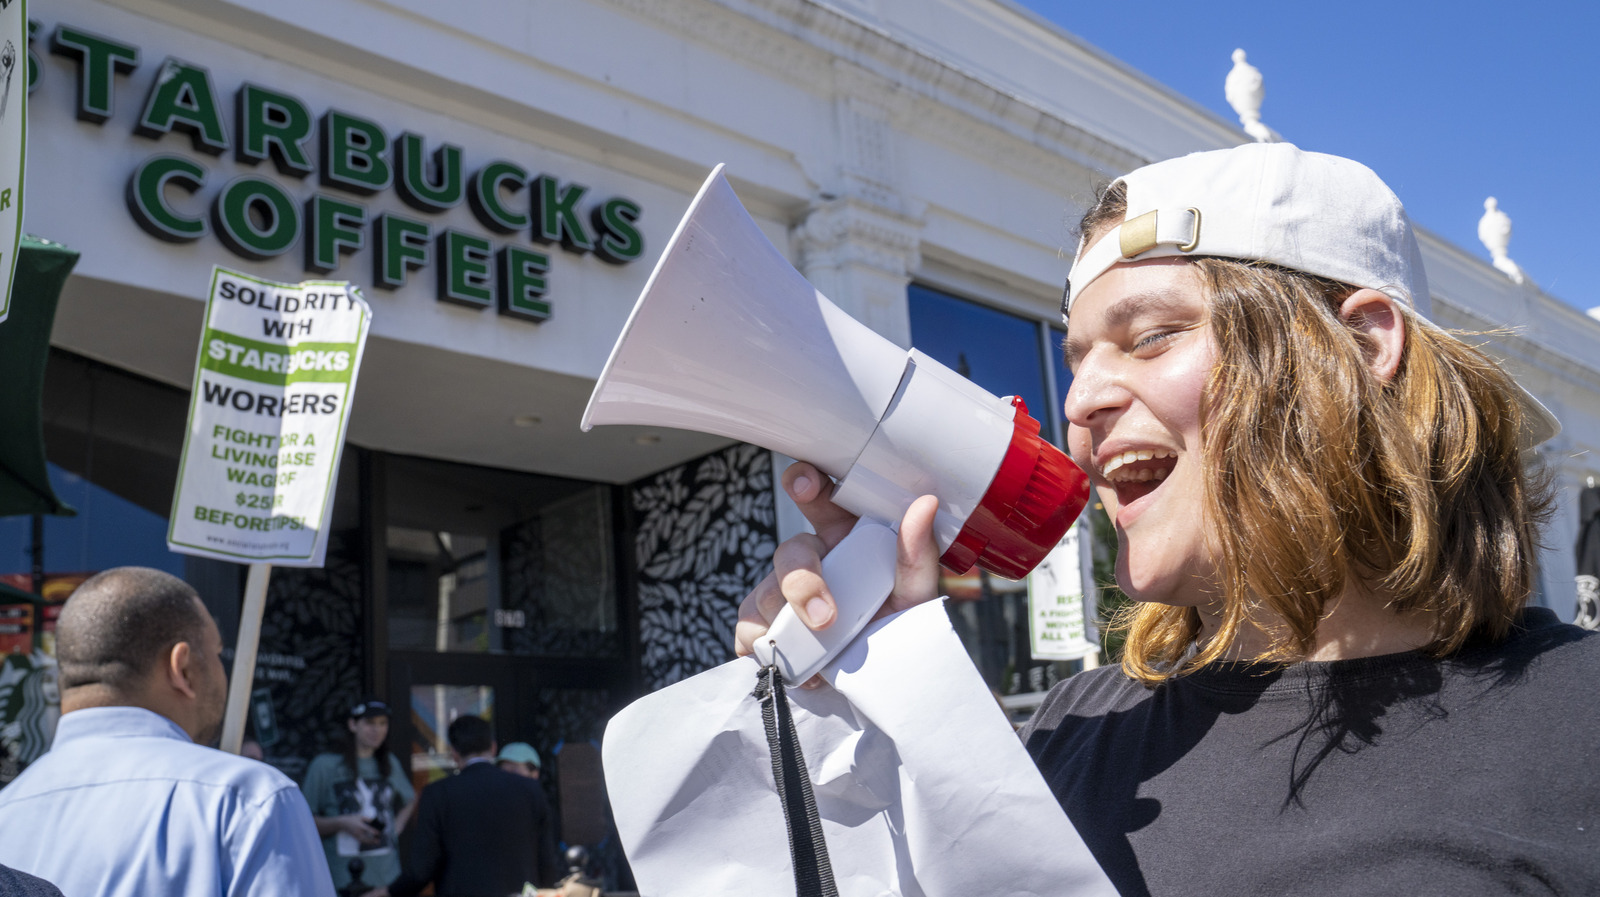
<point x="1449" y="103"/>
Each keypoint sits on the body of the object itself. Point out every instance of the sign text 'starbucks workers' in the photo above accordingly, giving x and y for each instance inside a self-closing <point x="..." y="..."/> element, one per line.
<point x="13" y="137"/>
<point x="272" y="390"/>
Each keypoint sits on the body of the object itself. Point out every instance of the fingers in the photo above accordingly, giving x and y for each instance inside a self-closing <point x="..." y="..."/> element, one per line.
<point x="812" y="491"/>
<point x="796" y="579"/>
<point x="756" y="613"/>
<point x="798" y="566"/>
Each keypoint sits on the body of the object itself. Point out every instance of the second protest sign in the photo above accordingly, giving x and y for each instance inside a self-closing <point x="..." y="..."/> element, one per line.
<point x="267" y="416"/>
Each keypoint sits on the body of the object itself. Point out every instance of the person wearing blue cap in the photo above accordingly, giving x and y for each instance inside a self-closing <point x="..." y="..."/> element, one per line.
<point x="519" y="757"/>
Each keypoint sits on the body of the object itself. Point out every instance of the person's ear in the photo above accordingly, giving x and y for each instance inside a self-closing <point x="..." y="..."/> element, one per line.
<point x="179" y="669"/>
<point x="1381" y="324"/>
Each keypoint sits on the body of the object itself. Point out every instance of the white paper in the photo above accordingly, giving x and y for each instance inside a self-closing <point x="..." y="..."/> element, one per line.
<point x="923" y="788"/>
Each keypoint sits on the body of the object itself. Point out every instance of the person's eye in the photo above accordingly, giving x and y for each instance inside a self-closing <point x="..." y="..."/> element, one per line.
<point x="1153" y="339"/>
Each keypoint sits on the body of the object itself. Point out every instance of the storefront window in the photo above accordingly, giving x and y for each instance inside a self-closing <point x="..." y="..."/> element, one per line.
<point x="494" y="561"/>
<point x="1000" y="352"/>
<point x="433" y="709"/>
<point x="1007" y="355"/>
<point x="1055" y="339"/>
<point x="113" y="440"/>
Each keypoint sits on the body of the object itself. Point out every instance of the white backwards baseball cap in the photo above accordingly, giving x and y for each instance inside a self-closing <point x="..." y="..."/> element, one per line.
<point x="1276" y="203"/>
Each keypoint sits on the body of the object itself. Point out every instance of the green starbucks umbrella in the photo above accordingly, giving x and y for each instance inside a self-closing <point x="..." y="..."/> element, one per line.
<point x="42" y="268"/>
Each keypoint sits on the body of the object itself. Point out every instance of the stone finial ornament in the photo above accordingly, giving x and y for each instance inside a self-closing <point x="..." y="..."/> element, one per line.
<point x="1494" y="230"/>
<point x="1244" y="89"/>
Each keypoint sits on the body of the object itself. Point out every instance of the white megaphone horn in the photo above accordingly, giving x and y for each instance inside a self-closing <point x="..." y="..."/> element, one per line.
<point x="728" y="338"/>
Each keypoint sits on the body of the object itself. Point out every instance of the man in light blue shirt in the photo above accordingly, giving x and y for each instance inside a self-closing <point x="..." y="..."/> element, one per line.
<point x="129" y="802"/>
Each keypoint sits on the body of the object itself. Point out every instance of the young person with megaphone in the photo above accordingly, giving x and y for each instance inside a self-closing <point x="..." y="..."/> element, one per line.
<point x="1327" y="515"/>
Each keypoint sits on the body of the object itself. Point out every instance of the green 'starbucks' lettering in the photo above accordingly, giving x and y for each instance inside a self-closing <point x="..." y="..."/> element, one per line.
<point x="620" y="242"/>
<point x="419" y="191"/>
<point x="147" y="198"/>
<point x="402" y="245"/>
<point x="258" y="218"/>
<point x="520" y="282"/>
<point x="255" y="218"/>
<point x="465" y="277"/>
<point x="272" y="124"/>
<point x="333" y="228"/>
<point x="182" y="98"/>
<point x="353" y="150"/>
<point x="555" y="214"/>
<point x="485" y="196"/>
<point x="100" y="60"/>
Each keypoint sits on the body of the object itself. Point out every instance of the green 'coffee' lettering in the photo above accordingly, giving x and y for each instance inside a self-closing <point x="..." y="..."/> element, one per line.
<point x="555" y="214"/>
<point x="418" y="190"/>
<point x="182" y="98"/>
<point x="402" y="245"/>
<point x="333" y="228"/>
<point x="147" y="198"/>
<point x="465" y="277"/>
<point x="100" y="60"/>
<point x="353" y="151"/>
<point x="272" y="124"/>
<point x="255" y="218"/>
<point x="520" y="281"/>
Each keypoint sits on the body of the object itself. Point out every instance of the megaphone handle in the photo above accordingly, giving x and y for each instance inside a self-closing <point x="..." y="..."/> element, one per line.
<point x="859" y="572"/>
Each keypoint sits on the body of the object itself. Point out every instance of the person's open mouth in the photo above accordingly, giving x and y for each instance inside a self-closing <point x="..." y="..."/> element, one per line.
<point x="1136" y="473"/>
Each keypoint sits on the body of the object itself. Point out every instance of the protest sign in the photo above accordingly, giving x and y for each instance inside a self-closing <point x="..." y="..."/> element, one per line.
<point x="13" y="137"/>
<point x="267" y="416"/>
<point x="1057" y="623"/>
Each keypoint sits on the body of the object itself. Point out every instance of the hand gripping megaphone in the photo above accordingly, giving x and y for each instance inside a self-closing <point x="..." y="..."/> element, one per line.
<point x="727" y="338"/>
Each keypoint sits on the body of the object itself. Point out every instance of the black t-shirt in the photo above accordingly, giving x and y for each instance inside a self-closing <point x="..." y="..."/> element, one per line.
<point x="1386" y="775"/>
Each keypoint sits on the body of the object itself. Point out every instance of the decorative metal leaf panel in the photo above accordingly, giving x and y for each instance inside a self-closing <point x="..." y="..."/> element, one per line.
<point x="705" y="537"/>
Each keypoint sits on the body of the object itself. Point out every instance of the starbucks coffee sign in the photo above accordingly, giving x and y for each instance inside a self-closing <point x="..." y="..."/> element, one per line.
<point x="324" y="165"/>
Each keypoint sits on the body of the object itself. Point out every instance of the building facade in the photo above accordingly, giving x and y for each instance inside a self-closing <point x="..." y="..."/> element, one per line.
<point x="499" y="178"/>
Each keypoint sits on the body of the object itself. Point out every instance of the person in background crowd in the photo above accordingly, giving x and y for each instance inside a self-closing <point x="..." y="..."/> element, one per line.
<point x="1327" y="515"/>
<point x="361" y="798"/>
<point x="481" y="831"/>
<point x="130" y="800"/>
<point x="252" y="749"/>
<point x="519" y="757"/>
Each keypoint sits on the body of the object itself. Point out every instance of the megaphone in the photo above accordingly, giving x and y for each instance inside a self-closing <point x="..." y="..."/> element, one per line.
<point x="728" y="338"/>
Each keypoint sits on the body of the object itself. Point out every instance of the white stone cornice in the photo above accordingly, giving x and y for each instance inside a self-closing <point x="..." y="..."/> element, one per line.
<point x="1519" y="344"/>
<point x="799" y="39"/>
<point x="848" y="231"/>
<point x="861" y="256"/>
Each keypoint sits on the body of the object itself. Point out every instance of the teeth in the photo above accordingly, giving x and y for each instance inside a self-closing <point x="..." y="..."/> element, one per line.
<point x="1132" y="455"/>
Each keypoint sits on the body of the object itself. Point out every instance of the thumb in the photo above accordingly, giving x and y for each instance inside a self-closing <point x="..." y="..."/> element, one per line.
<point x="916" y="577"/>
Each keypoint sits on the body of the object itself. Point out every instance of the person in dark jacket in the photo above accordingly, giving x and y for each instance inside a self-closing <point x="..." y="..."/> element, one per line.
<point x="482" y="832"/>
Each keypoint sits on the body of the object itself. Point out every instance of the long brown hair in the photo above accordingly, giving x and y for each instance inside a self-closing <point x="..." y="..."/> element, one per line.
<point x="1317" y="471"/>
